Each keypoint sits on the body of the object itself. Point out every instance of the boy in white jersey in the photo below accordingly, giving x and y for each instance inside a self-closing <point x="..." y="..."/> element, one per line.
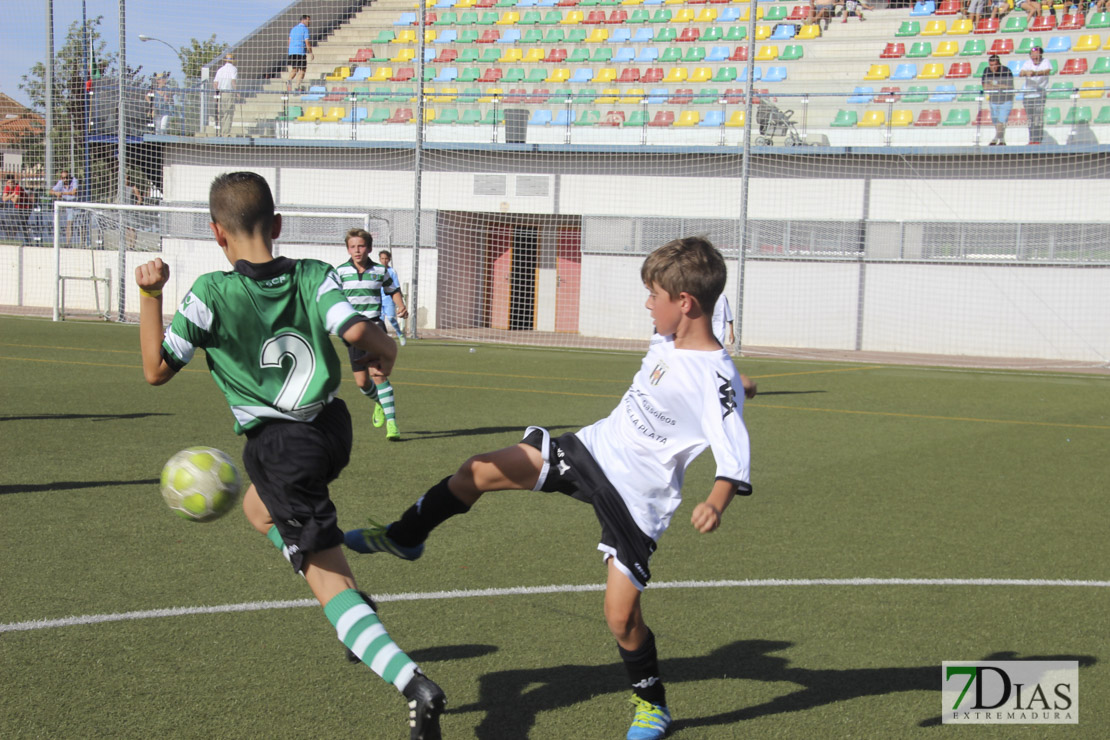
<point x="366" y="285"/>
<point x="265" y="327"/>
<point x="629" y="465"/>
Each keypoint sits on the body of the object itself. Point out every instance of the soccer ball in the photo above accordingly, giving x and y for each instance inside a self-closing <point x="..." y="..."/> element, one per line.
<point x="200" y="484"/>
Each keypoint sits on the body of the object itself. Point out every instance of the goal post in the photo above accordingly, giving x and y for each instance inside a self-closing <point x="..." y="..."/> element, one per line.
<point x="97" y="246"/>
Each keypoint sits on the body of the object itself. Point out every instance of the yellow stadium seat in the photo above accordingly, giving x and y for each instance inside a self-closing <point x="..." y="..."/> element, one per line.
<point x="676" y="74"/>
<point x="509" y="18"/>
<point x="403" y="55"/>
<point x="334" y="113"/>
<point x="534" y="54"/>
<point x="598" y="36"/>
<point x="312" y="113"/>
<point x="747" y="14"/>
<point x="430" y="35"/>
<point x="605" y="74"/>
<point x="511" y="55"/>
<point x="809" y="31"/>
<point x="1106" y="46"/>
<point x="406" y="36"/>
<point x="673" y="2"/>
<point x="701" y="74"/>
<point x="932" y="71"/>
<point x="632" y="2"/>
<point x="763" y="32"/>
<point x="429" y="115"/>
<point x="572" y="18"/>
<point x="632" y="96"/>
<point x="339" y="74"/>
<point x="558" y="74"/>
<point x="464" y="4"/>
<point x="381" y="74"/>
<point x="767" y="53"/>
<point x="736" y="120"/>
<point x="1087" y="42"/>
<point x="935" y="28"/>
<point x="492" y="93"/>
<point x="872" y="119"/>
<point x="901" y="118"/>
<point x="960" y="27"/>
<point x="706" y="15"/>
<point x="878" y="72"/>
<point x="609" y="96"/>
<point x="688" y="118"/>
<point x="446" y="95"/>
<point x="1093" y="89"/>
<point x="947" y="49"/>
<point x="686" y="15"/>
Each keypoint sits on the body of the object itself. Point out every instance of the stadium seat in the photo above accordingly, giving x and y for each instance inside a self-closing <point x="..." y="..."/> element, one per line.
<point x="905" y="71"/>
<point x="1102" y="66"/>
<point x="405" y="19"/>
<point x="604" y="74"/>
<point x="809" y="31"/>
<point x="1043" y="23"/>
<point x="292" y="113"/>
<point x="739" y="33"/>
<point x="970" y="94"/>
<point x="700" y="74"/>
<point x="736" y="120"/>
<point x="768" y="53"/>
<point x="935" y="28"/>
<point x="861" y="95"/>
<point x="707" y="96"/>
<point x="974" y="47"/>
<point x="943" y="94"/>
<point x="1072" y="22"/>
<point x="791" y="52"/>
<point x="694" y="54"/>
<point x="361" y="74"/>
<point x="916" y="94"/>
<point x="775" y="13"/>
<point x="774" y="74"/>
<point x="959" y="70"/>
<point x="446" y="116"/>
<point x="878" y="72"/>
<point x="540" y="117"/>
<point x="1087" y="42"/>
<point x="1060" y="91"/>
<point x="921" y="8"/>
<point x="663" y="118"/>
<point x="652" y="75"/>
<point x="1078" y="115"/>
<point x="1058" y="44"/>
<point x="683" y="15"/>
<point x="378" y="115"/>
<point x="676" y="74"/>
<point x="687" y="118"/>
<point x="602" y="55"/>
<point x="740" y="54"/>
<point x="1099" y="20"/>
<point x="932" y="71"/>
<point x="1052" y="116"/>
<point x="713" y="119"/>
<point x="909" y="28"/>
<point x="798" y="13"/>
<point x="872" y="119"/>
<point x="356" y="114"/>
<point x="728" y="15"/>
<point x="982" y="118"/>
<point x="689" y="35"/>
<point x="401" y="115"/>
<point x="662" y="15"/>
<point x="958" y="117"/>
<point x="888" y="95"/>
<point x="1002" y="47"/>
<point x="666" y="35"/>
<point x="987" y="25"/>
<point x="725" y="74"/>
<point x="893" y="50"/>
<point x="845" y="119"/>
<point x="1103" y="115"/>
<point x="901" y="118"/>
<point x="447" y="19"/>
<point x="315" y="92"/>
<point x="1075" y="66"/>
<point x="948" y="7"/>
<point x="946" y="49"/>
<point x="511" y="55"/>
<point x="746" y="14"/>
<point x="446" y="56"/>
<point x="928" y="118"/>
<point x="447" y="74"/>
<point x="960" y="27"/>
<point x="920" y="50"/>
<point x="588" y="118"/>
<point x="1028" y="43"/>
<point x="1092" y="89"/>
<point x="762" y="32"/>
<point x="513" y="75"/>
<point x="783" y="32"/>
<point x="362" y="55"/>
<point x="1015" y="24"/>
<point x="717" y="54"/>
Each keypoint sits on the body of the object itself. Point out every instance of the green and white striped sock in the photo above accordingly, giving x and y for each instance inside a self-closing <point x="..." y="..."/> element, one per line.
<point x="362" y="632"/>
<point x="385" y="398"/>
<point x="275" y="539"/>
<point x="371" y="392"/>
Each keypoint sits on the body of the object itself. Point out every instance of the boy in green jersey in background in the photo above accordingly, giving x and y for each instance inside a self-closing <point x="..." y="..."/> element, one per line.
<point x="265" y="327"/>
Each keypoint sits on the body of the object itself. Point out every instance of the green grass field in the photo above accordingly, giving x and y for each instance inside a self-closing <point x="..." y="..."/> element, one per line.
<point x="860" y="472"/>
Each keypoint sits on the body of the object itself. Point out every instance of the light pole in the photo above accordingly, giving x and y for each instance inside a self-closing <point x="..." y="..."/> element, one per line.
<point x="174" y="49"/>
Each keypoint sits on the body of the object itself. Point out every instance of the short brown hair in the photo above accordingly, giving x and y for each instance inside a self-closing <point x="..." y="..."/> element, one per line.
<point x="688" y="265"/>
<point x="360" y="233"/>
<point x="242" y="203"/>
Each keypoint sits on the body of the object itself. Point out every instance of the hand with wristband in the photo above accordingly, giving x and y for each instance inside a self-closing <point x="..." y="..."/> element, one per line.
<point x="151" y="277"/>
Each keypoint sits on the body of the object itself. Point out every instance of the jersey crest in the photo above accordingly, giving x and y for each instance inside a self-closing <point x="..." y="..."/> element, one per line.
<point x="658" y="373"/>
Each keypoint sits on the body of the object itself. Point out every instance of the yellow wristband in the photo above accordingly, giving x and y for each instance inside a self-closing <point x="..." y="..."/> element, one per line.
<point x="156" y="293"/>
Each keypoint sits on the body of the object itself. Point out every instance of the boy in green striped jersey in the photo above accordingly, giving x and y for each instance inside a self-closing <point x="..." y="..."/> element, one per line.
<point x="265" y="327"/>
<point x="364" y="283"/>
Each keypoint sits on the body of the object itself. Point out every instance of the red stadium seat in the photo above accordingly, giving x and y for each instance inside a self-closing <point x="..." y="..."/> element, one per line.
<point x="987" y="25"/>
<point x="612" y="118"/>
<point x="682" y="96"/>
<point x="404" y="74"/>
<point x="888" y="95"/>
<point x="734" y="96"/>
<point x="539" y="96"/>
<point x="929" y="118"/>
<point x="1043" y="23"/>
<point x="629" y="74"/>
<point x="959" y="70"/>
<point x="489" y="36"/>
<point x="662" y="118"/>
<point x="1018" y="117"/>
<point x="401" y="115"/>
<point x="362" y="55"/>
<point x="798" y="13"/>
<point x="617" y="16"/>
<point x="893" y="51"/>
<point x="516" y="95"/>
<point x="1002" y="46"/>
<point x="595" y="17"/>
<point x="559" y="55"/>
<point x="1076" y="66"/>
<point x="446" y="56"/>
<point x="740" y="54"/>
<point x="948" y="7"/>
<point x="492" y="74"/>
<point x="689" y="35"/>
<point x="652" y="74"/>
<point x="982" y="118"/>
<point x="1072" y="22"/>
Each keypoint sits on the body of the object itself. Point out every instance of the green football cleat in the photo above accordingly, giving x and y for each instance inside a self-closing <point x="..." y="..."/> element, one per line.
<point x="392" y="433"/>
<point x="375" y="538"/>
<point x="651" y="720"/>
<point x="379" y="415"/>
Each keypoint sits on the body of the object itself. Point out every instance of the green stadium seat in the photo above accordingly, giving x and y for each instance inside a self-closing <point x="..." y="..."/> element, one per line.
<point x="1102" y="66"/>
<point x="713" y="33"/>
<point x="588" y="118"/>
<point x="579" y="56"/>
<point x="470" y="117"/>
<point x="291" y="113"/>
<point x="791" y="52"/>
<point x="576" y="36"/>
<point x="916" y="94"/>
<point x="468" y="18"/>
<point x="469" y="74"/>
<point x="530" y="18"/>
<point x="909" y="28"/>
<point x="920" y="50"/>
<point x="1028" y="43"/>
<point x="1103" y="114"/>
<point x="706" y="96"/>
<point x="845" y="119"/>
<point x="385" y="36"/>
<point x="1052" y="117"/>
<point x="1015" y="24"/>
<point x="640" y="118"/>
<point x="725" y="74"/>
<point x="1078" y="114"/>
<point x="671" y="55"/>
<point x="1099" y="20"/>
<point x="494" y="117"/>
<point x="601" y="55"/>
<point x="449" y="18"/>
<point x="448" y="115"/>
<point x="470" y="95"/>
<point x="536" y="76"/>
<point x="776" y="13"/>
<point x="958" y="117"/>
<point x="736" y="32"/>
<point x="552" y="17"/>
<point x="490" y="55"/>
<point x="969" y="95"/>
<point x="403" y="94"/>
<point x="378" y="115"/>
<point x="662" y="15"/>
<point x="1060" y="91"/>
<point x="640" y="15"/>
<point x="694" y="54"/>
<point x="555" y="36"/>
<point x="488" y="18"/>
<point x="666" y="35"/>
<point x="467" y="36"/>
<point x="974" y="47"/>
<point x="513" y="74"/>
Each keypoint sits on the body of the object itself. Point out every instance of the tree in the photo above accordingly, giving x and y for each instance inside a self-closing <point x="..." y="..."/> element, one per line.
<point x="199" y="54"/>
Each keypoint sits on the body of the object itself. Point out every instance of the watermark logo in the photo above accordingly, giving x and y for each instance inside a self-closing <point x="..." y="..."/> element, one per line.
<point x="1016" y="692"/>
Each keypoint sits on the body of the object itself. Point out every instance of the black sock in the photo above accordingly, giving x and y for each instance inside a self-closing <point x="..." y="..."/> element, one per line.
<point x="432" y="509"/>
<point x="642" y="665"/>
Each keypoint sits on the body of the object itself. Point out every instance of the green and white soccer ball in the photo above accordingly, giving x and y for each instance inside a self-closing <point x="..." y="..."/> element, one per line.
<point x="200" y="484"/>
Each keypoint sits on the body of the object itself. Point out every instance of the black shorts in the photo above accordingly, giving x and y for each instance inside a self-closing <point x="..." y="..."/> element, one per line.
<point x="291" y="464"/>
<point x="572" y="470"/>
<point x="354" y="354"/>
<point x="298" y="61"/>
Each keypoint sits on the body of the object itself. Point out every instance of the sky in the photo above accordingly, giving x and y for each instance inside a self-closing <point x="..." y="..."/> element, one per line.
<point x="23" y="31"/>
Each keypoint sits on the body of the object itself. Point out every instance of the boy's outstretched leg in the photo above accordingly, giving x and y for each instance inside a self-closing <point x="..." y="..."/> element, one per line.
<point x="636" y="644"/>
<point x="510" y="469"/>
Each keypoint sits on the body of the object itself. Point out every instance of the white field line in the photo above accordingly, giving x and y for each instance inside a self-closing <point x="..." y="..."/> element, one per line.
<point x="41" y="624"/>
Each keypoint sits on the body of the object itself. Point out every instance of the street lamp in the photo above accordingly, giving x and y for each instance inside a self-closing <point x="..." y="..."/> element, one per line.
<point x="174" y="49"/>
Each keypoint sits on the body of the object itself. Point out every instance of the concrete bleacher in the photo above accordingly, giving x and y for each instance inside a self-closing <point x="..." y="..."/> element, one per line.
<point x="613" y="70"/>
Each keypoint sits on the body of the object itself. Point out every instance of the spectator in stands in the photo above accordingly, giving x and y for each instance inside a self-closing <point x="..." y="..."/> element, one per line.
<point x="66" y="189"/>
<point x="821" y="10"/>
<point x="976" y="9"/>
<point x="1035" y="70"/>
<point x="17" y="207"/>
<point x="856" y="7"/>
<point x="998" y="83"/>
<point x="1032" y="9"/>
<point x="300" y="51"/>
<point x="161" y="98"/>
<point x="1000" y="8"/>
<point x="224" y="84"/>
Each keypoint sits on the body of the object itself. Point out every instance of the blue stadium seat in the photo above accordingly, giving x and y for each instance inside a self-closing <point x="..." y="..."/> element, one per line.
<point x="943" y="94"/>
<point x="729" y="14"/>
<point x="564" y="117"/>
<point x="658" y="96"/>
<point x="581" y="76"/>
<point x="923" y="8"/>
<point x="783" y="32"/>
<point x="718" y="54"/>
<point x="643" y="36"/>
<point x="905" y="71"/>
<point x="355" y="115"/>
<point x="510" y="36"/>
<point x="861" y="95"/>
<point x="757" y="74"/>
<point x="647" y="55"/>
<point x="713" y="118"/>
<point x="620" y="36"/>
<point x="624" y="55"/>
<point x="447" y="74"/>
<point x="1058" y="44"/>
<point x="448" y="36"/>
<point x="540" y="118"/>
<point x="405" y="19"/>
<point x="774" y="74"/>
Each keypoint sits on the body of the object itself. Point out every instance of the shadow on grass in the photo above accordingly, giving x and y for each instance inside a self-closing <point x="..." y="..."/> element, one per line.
<point x="72" y="485"/>
<point x="71" y="417"/>
<point x="511" y="700"/>
<point x="784" y="393"/>
<point x="478" y="431"/>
